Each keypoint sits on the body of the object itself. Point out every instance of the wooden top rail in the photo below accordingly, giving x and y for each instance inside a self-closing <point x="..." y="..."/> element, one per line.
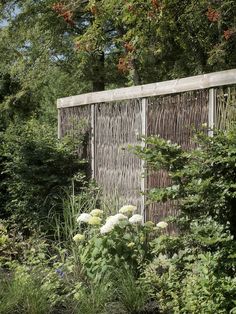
<point x="154" y="89"/>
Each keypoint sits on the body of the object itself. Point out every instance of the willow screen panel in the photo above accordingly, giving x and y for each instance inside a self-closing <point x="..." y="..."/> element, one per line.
<point x="173" y="117"/>
<point x="117" y="170"/>
<point x="76" y="122"/>
<point x="225" y="110"/>
<point x="73" y="119"/>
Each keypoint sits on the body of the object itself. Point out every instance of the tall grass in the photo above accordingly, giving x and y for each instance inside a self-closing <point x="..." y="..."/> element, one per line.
<point x="131" y="293"/>
<point x="23" y="295"/>
<point x="64" y="223"/>
<point x="94" y="297"/>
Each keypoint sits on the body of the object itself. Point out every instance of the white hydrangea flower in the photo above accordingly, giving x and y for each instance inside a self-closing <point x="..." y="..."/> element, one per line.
<point x="136" y="219"/>
<point x="84" y="217"/>
<point x="127" y="209"/>
<point x="78" y="237"/>
<point x="111" y="219"/>
<point x="96" y="212"/>
<point x="108" y="227"/>
<point x="120" y="216"/>
<point x="111" y="222"/>
<point x="94" y="220"/>
<point x="116" y="218"/>
<point x="162" y="224"/>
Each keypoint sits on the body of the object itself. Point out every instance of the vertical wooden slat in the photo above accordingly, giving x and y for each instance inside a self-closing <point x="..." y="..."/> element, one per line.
<point x="143" y="164"/>
<point x="93" y="167"/>
<point x="59" y="123"/>
<point x="211" y="110"/>
<point x="225" y="112"/>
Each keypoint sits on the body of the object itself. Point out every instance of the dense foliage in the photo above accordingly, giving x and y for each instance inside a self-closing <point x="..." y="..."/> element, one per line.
<point x="38" y="169"/>
<point x="101" y="264"/>
<point x="99" y="44"/>
<point x="157" y="40"/>
<point x="203" y="179"/>
<point x="199" y="263"/>
<point x="117" y="264"/>
<point x="35" y="70"/>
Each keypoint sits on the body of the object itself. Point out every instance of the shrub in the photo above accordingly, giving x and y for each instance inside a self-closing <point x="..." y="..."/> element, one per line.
<point x="195" y="272"/>
<point x="203" y="179"/>
<point x="113" y="251"/>
<point x="35" y="271"/>
<point x="14" y="247"/>
<point x="37" y="169"/>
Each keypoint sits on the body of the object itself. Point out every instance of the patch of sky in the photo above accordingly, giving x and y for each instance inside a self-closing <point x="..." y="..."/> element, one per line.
<point x="9" y="11"/>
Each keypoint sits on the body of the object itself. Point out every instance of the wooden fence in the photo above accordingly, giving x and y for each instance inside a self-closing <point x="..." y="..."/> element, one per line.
<point x="117" y="118"/>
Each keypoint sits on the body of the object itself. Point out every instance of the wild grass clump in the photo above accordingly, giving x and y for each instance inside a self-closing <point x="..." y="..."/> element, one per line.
<point x="24" y="293"/>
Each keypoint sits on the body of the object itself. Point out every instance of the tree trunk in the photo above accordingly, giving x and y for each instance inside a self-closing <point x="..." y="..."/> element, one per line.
<point x="98" y="73"/>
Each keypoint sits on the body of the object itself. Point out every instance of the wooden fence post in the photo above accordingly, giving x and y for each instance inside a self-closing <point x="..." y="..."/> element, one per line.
<point x="143" y="164"/>
<point x="93" y="141"/>
<point x="58" y="123"/>
<point x="211" y="110"/>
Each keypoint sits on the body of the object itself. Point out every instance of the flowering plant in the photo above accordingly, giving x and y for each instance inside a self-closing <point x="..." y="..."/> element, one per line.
<point x="122" y="240"/>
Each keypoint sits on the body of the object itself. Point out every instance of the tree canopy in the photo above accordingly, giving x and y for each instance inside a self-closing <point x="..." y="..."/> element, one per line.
<point x="94" y="45"/>
<point x="157" y="40"/>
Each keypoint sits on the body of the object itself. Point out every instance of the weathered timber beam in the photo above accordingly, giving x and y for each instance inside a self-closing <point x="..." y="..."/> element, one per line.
<point x="155" y="89"/>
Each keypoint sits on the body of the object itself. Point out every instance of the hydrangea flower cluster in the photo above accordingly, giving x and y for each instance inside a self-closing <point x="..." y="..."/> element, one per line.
<point x="78" y="237"/>
<point x="128" y="209"/>
<point x="111" y="222"/>
<point x="162" y="224"/>
<point x="126" y="213"/>
<point x="136" y="219"/>
<point x="96" y="212"/>
<point x="84" y="217"/>
<point x="94" y="220"/>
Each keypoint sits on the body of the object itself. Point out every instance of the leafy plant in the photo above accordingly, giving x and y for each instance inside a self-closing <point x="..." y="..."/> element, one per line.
<point x="197" y="176"/>
<point x="121" y="242"/>
<point x="197" y="265"/>
<point x="37" y="170"/>
<point x="194" y="270"/>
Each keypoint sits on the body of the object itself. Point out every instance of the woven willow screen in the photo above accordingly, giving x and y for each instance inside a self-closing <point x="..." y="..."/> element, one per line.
<point x="116" y="119"/>
<point x="173" y="117"/>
